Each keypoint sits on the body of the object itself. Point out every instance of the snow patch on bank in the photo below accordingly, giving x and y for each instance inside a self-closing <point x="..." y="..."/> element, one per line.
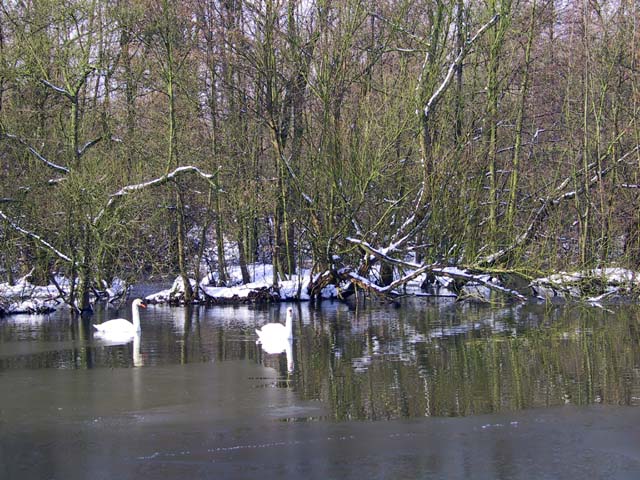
<point x="24" y="297"/>
<point x="259" y="289"/>
<point x="593" y="285"/>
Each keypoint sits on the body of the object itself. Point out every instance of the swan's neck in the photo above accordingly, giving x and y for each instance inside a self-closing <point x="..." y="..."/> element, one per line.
<point x="135" y="316"/>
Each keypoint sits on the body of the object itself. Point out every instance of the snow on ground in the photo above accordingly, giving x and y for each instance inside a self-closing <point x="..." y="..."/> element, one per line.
<point x="611" y="281"/>
<point x="116" y="290"/>
<point x="445" y="286"/>
<point x="24" y="297"/>
<point x="261" y="287"/>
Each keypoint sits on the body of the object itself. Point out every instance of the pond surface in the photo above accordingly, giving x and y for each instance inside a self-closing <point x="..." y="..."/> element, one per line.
<point x="434" y="389"/>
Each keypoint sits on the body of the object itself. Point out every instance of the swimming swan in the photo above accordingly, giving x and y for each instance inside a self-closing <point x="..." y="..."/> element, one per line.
<point x="276" y="333"/>
<point x="121" y="327"/>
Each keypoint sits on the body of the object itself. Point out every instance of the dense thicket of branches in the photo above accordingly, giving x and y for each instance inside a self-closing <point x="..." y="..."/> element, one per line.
<point x="479" y="133"/>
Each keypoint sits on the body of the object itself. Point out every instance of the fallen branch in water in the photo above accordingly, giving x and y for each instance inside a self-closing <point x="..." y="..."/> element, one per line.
<point x="417" y="270"/>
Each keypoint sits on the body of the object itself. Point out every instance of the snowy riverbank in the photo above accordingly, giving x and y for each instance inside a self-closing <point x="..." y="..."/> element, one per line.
<point x="260" y="289"/>
<point x="593" y="286"/>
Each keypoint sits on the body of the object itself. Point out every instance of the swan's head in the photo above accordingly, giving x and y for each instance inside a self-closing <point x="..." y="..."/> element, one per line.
<point x="138" y="303"/>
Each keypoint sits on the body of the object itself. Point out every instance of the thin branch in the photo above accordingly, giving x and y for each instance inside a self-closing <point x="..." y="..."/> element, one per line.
<point x="418" y="270"/>
<point x="549" y="204"/>
<point x="116" y="197"/>
<point x="57" y="89"/>
<point x="43" y="243"/>
<point x="37" y="154"/>
<point x="297" y="182"/>
<point x="394" y="25"/>
<point x="88" y="145"/>
<point x="455" y="64"/>
<point x="93" y="142"/>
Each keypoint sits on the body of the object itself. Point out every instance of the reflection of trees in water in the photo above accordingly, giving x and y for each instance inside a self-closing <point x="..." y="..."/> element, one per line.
<point x="58" y="341"/>
<point x="422" y="365"/>
<point x="444" y="359"/>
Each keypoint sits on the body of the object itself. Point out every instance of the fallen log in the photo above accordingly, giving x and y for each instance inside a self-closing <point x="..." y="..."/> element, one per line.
<point x="416" y="270"/>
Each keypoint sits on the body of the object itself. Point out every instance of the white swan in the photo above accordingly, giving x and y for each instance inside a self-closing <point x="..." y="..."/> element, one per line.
<point x="120" y="327"/>
<point x="276" y="333"/>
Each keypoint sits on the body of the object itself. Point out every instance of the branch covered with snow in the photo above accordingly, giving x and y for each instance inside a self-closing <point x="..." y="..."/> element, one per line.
<point x="548" y="204"/>
<point x="417" y="270"/>
<point x="88" y="145"/>
<point x="36" y="154"/>
<point x="129" y="189"/>
<point x="58" y="89"/>
<point x="38" y="239"/>
<point x="455" y="64"/>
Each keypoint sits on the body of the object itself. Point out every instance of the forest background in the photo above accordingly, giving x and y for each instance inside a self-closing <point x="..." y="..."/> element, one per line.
<point x="358" y="138"/>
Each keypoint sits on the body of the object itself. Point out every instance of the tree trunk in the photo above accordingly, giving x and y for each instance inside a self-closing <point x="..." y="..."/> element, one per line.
<point x="222" y="262"/>
<point x="242" y="254"/>
<point x="524" y="85"/>
<point x="181" y="248"/>
<point x="496" y="37"/>
<point x="172" y="156"/>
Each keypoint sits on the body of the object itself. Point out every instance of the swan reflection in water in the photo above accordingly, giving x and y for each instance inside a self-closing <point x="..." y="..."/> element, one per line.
<point x="275" y="338"/>
<point x="285" y="346"/>
<point x="138" y="361"/>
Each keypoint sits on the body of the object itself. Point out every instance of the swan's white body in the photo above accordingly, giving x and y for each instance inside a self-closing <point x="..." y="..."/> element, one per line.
<point x="120" y="327"/>
<point x="276" y="333"/>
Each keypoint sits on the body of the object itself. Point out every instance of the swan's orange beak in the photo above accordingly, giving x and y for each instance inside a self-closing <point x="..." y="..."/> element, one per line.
<point x="143" y="305"/>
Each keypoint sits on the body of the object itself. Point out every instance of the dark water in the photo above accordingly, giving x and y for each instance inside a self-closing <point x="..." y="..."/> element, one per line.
<point x="429" y="390"/>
